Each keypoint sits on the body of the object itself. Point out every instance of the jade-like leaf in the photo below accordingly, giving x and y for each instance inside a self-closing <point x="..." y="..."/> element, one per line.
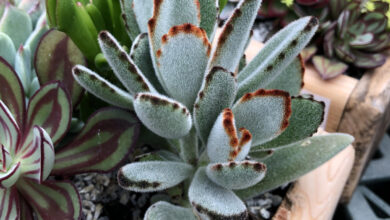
<point x="230" y="44"/>
<point x="217" y="93"/>
<point x="40" y="29"/>
<point x="329" y="68"/>
<point x="164" y="211"/>
<point x="124" y="68"/>
<point x="367" y="60"/>
<point x="290" y="79"/>
<point x="106" y="139"/>
<point x="288" y="164"/>
<point x="50" y="108"/>
<point x="64" y="54"/>
<point x="9" y="203"/>
<point x="162" y="115"/>
<point x="182" y="61"/>
<point x="153" y="175"/>
<point x="224" y="144"/>
<point x="16" y="24"/>
<point x="276" y="55"/>
<point x="52" y="199"/>
<point x="140" y="54"/>
<point x="102" y="88"/>
<point x="209" y="16"/>
<point x="129" y="18"/>
<point x="11" y="91"/>
<point x="184" y="11"/>
<point x="7" y="51"/>
<point x="306" y="117"/>
<point x="143" y="11"/>
<point x="236" y="175"/>
<point x="9" y="129"/>
<point x="211" y="201"/>
<point x="23" y="67"/>
<point x="265" y="113"/>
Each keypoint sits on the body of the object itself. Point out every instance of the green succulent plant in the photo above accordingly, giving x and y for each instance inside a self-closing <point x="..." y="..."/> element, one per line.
<point x="235" y="130"/>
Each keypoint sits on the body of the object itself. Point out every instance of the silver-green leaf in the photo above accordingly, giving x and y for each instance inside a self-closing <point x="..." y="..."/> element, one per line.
<point x="164" y="211"/>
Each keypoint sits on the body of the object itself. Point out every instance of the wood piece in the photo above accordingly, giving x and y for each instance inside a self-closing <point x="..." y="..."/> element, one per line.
<point x="366" y="117"/>
<point x="316" y="194"/>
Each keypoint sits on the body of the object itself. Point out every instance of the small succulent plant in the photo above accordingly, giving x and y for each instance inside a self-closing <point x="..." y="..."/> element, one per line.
<point x="33" y="148"/>
<point x="235" y="130"/>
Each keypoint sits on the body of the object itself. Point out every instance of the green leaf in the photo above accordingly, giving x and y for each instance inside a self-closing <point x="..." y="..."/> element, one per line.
<point x="223" y="143"/>
<point x="64" y="54"/>
<point x="211" y="201"/>
<point x="9" y="203"/>
<point x="153" y="175"/>
<point x="23" y="67"/>
<point x="106" y="140"/>
<point x="40" y="29"/>
<point x="276" y="55"/>
<point x="182" y="62"/>
<point x="232" y="41"/>
<point x="51" y="199"/>
<point x="129" y="18"/>
<point x="328" y="68"/>
<point x="236" y="175"/>
<point x="11" y="92"/>
<point x="162" y="115"/>
<point x="209" y="16"/>
<point x="288" y="164"/>
<point x="306" y="117"/>
<point x="217" y="92"/>
<point x="50" y="108"/>
<point x="7" y="51"/>
<point x="290" y="79"/>
<point x="16" y="24"/>
<point x="164" y="211"/>
<point x="125" y="70"/>
<point x="10" y="131"/>
<point x="143" y="11"/>
<point x="10" y="176"/>
<point x="368" y="60"/>
<point x="265" y="113"/>
<point x="102" y="88"/>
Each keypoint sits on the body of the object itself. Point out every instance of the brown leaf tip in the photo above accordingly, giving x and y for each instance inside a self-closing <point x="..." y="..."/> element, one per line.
<point x="217" y="167"/>
<point x="126" y="183"/>
<point x="259" y="167"/>
<point x="246" y="136"/>
<point x="105" y="36"/>
<point x="188" y="28"/>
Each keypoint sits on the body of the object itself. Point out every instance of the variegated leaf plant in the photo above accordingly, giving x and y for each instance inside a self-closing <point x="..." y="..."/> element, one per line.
<point x="30" y="149"/>
<point x="234" y="131"/>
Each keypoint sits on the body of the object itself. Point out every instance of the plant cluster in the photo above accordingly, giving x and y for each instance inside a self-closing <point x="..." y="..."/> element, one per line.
<point x="234" y="129"/>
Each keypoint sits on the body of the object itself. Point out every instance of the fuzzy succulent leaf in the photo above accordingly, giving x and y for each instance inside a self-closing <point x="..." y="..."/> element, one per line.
<point x="236" y="175"/>
<point x="167" y="14"/>
<point x="64" y="54"/>
<point x="9" y="203"/>
<point x="164" y="211"/>
<point x="182" y="61"/>
<point x="140" y="54"/>
<point x="7" y="51"/>
<point x="223" y="143"/>
<point x="162" y="115"/>
<point x="129" y="18"/>
<point x="211" y="201"/>
<point x="288" y="164"/>
<point x="16" y="24"/>
<point x="153" y="175"/>
<point x="102" y="88"/>
<point x="11" y="91"/>
<point x="209" y="16"/>
<point x="218" y="92"/>
<point x="276" y="55"/>
<point x="230" y="46"/>
<point x="143" y="10"/>
<point x="124" y="68"/>
<point x="306" y="117"/>
<point x="51" y="108"/>
<point x="101" y="145"/>
<point x="265" y="113"/>
<point x="290" y="79"/>
<point x="328" y="68"/>
<point x="51" y="199"/>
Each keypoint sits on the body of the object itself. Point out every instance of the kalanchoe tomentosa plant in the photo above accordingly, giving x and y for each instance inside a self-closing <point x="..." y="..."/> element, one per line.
<point x="31" y="148"/>
<point x="235" y="130"/>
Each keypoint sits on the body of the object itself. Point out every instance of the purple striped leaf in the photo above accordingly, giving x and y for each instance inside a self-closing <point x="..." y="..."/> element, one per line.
<point x="26" y="212"/>
<point x="52" y="199"/>
<point x="10" y="176"/>
<point x="9" y="129"/>
<point x="11" y="91"/>
<point x="64" y="55"/>
<point x="50" y="108"/>
<point x="9" y="203"/>
<point x="104" y="142"/>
